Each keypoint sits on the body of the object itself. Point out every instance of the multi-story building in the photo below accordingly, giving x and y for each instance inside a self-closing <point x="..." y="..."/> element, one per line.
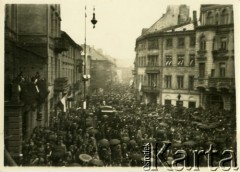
<point x="124" y="75"/>
<point x="165" y="60"/>
<point x="34" y="60"/>
<point x="103" y="70"/>
<point x="214" y="71"/>
<point x="71" y="68"/>
<point x="178" y="66"/>
<point x="190" y="63"/>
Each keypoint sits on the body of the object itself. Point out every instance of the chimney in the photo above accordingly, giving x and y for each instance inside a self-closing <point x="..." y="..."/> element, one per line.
<point x="195" y="18"/>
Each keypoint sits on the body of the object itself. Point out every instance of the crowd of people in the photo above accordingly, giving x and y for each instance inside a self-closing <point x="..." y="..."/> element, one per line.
<point x="79" y="138"/>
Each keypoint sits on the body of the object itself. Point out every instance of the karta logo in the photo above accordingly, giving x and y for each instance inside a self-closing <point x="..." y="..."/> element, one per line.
<point x="187" y="160"/>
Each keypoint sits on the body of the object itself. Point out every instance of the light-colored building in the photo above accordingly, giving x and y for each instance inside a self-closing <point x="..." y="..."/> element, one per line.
<point x="190" y="63"/>
<point x="125" y="75"/>
<point x="103" y="70"/>
<point x="165" y="59"/>
<point x="178" y="66"/>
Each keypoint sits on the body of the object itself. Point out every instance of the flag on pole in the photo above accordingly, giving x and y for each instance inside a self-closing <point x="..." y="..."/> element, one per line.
<point x="63" y="101"/>
<point x="140" y="86"/>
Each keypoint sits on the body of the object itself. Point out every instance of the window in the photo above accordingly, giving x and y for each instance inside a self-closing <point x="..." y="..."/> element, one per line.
<point x="179" y="103"/>
<point x="153" y="60"/>
<point x="141" y="46"/>
<point x="152" y="80"/>
<point x="168" y="60"/>
<point x="192" y="41"/>
<point x="52" y="23"/>
<point x="180" y="60"/>
<point x="192" y="60"/>
<point x="168" y="102"/>
<point x="191" y="83"/>
<point x="180" y="82"/>
<point x="210" y="18"/>
<point x="224" y="17"/>
<point x="222" y="69"/>
<point x="143" y="61"/>
<point x="212" y="72"/>
<point x="223" y="43"/>
<point x="169" y="42"/>
<point x="191" y="104"/>
<point x="153" y="44"/>
<point x="145" y="80"/>
<point x="202" y="43"/>
<point x="180" y="42"/>
<point x="201" y="69"/>
<point x="168" y="81"/>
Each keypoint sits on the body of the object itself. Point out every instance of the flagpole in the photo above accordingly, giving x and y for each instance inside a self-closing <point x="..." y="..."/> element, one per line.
<point x="85" y="62"/>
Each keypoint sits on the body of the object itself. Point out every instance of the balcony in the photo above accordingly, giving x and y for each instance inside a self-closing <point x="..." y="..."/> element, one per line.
<point x="134" y="72"/>
<point x="220" y="54"/>
<point x="201" y="58"/>
<point x="152" y="69"/>
<point x="221" y="83"/>
<point x="151" y="89"/>
<point x="201" y="83"/>
<point x="201" y="52"/>
<point x="61" y="85"/>
<point x="60" y="45"/>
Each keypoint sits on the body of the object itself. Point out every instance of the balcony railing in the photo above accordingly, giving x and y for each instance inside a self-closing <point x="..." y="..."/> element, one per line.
<point x="215" y="83"/>
<point x="61" y="84"/>
<point x="221" y="83"/>
<point x="201" y="52"/>
<point x="60" y="45"/>
<point x="150" y="89"/>
<point x="152" y="69"/>
<point x="220" y="54"/>
<point x="201" y="83"/>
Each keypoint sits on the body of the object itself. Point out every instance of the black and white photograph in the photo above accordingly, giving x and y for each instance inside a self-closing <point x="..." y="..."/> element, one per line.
<point x="139" y="84"/>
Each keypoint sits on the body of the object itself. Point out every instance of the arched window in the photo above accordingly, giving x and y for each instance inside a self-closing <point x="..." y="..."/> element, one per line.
<point x="224" y="17"/>
<point x="202" y="43"/>
<point x="209" y="18"/>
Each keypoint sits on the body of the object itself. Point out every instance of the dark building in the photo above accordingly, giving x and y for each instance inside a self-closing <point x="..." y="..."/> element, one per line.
<point x="215" y="76"/>
<point x="36" y="51"/>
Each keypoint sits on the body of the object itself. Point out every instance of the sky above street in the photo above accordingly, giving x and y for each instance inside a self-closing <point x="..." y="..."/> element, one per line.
<point x="120" y="22"/>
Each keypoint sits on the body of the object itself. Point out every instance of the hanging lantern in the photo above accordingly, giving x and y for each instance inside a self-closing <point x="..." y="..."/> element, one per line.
<point x="94" y="21"/>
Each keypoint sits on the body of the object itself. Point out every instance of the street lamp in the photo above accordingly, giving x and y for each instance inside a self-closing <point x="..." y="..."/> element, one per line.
<point x="85" y="76"/>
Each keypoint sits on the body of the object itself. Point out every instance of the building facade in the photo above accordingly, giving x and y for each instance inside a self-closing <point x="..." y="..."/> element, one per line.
<point x="37" y="54"/>
<point x="124" y="75"/>
<point x="103" y="70"/>
<point x="215" y="76"/>
<point x="165" y="61"/>
<point x="190" y="64"/>
<point x="178" y="66"/>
